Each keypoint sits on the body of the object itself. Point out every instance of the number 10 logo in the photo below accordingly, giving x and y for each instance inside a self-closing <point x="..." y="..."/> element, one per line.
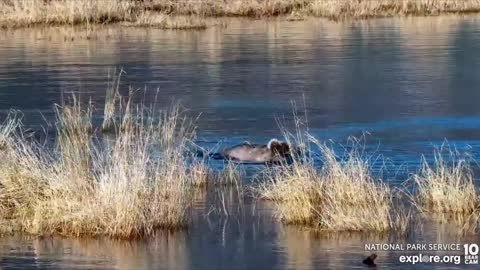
<point x="471" y="253"/>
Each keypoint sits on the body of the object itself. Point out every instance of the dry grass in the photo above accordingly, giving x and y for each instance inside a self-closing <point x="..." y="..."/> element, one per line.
<point x="202" y="174"/>
<point x="164" y="21"/>
<point x="384" y="8"/>
<point x="128" y="188"/>
<point x="171" y="14"/>
<point x="111" y="99"/>
<point x="324" y="8"/>
<point x="446" y="186"/>
<point x="14" y="13"/>
<point x="248" y="8"/>
<point x="24" y="13"/>
<point x="7" y="129"/>
<point x="231" y="175"/>
<point x="342" y="196"/>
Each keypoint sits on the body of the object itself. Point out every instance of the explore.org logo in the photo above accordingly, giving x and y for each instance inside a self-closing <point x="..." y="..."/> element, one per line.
<point x="449" y="253"/>
<point x="420" y="258"/>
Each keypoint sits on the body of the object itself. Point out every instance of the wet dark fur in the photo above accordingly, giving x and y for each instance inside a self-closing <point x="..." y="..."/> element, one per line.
<point x="256" y="153"/>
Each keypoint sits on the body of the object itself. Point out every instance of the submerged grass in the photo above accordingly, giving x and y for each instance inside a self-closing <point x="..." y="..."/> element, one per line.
<point x="138" y="182"/>
<point x="170" y="14"/>
<point x="342" y="196"/>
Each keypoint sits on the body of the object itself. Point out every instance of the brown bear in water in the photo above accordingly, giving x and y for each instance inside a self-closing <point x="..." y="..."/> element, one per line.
<point x="274" y="152"/>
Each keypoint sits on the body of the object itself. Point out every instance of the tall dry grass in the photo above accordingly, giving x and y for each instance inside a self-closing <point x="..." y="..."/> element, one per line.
<point x="385" y="8"/>
<point x="7" y="128"/>
<point x="341" y="196"/>
<point x="53" y="12"/>
<point x="137" y="183"/>
<point x="111" y="99"/>
<point x="165" y="13"/>
<point x="324" y="8"/>
<point x="446" y="186"/>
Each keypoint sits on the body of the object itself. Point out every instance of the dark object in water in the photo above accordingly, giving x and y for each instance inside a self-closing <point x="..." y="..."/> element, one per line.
<point x="274" y="152"/>
<point x="370" y="260"/>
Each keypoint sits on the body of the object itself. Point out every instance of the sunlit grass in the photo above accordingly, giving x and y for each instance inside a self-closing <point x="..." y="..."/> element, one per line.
<point x="138" y="182"/>
<point x="324" y="8"/>
<point x="188" y="14"/>
<point x="341" y="196"/>
<point x="17" y="13"/>
<point x="165" y="21"/>
<point x="385" y="8"/>
<point x="111" y="100"/>
<point x="7" y="128"/>
<point x="446" y="186"/>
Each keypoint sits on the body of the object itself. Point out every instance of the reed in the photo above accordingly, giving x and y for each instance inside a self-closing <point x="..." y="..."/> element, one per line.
<point x="128" y="188"/>
<point x="111" y="99"/>
<point x="202" y="174"/>
<point x="74" y="139"/>
<point x="342" y="196"/>
<point x="8" y="127"/>
<point x="16" y="13"/>
<point x="188" y="14"/>
<point x="446" y="186"/>
<point x="324" y="8"/>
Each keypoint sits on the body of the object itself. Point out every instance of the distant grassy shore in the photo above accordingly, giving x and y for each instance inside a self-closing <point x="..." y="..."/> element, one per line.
<point x="187" y="14"/>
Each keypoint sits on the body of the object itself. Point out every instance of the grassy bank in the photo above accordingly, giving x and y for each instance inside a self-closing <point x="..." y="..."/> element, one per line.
<point x="323" y="8"/>
<point x="24" y="13"/>
<point x="171" y="14"/>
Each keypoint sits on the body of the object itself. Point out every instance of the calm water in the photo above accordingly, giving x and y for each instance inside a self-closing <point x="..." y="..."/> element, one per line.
<point x="410" y="83"/>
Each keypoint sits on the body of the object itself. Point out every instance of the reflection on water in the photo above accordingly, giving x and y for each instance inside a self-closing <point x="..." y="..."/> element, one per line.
<point x="410" y="82"/>
<point x="250" y="240"/>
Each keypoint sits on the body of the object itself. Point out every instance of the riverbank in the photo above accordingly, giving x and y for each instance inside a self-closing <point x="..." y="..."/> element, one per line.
<point x="190" y="14"/>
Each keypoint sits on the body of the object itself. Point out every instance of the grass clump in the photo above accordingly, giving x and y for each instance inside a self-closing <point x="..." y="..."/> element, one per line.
<point x="446" y="186"/>
<point x="342" y="196"/>
<point x="138" y="182"/>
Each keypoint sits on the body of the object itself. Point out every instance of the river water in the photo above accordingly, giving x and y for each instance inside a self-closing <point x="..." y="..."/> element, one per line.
<point x="409" y="84"/>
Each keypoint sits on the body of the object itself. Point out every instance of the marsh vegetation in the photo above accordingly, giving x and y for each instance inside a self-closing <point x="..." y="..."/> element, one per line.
<point x="189" y="14"/>
<point x="120" y="188"/>
<point x="137" y="173"/>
